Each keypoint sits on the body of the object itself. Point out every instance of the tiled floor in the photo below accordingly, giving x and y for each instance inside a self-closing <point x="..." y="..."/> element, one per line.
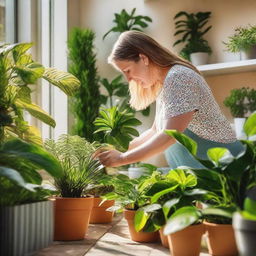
<point x="106" y="240"/>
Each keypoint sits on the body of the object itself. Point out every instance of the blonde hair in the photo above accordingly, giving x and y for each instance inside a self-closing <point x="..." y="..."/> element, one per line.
<point x="129" y="46"/>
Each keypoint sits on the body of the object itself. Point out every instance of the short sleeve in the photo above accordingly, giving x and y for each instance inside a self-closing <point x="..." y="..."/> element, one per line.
<point x="180" y="93"/>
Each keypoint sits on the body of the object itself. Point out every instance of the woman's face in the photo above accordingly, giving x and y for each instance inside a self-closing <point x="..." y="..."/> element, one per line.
<point x="141" y="72"/>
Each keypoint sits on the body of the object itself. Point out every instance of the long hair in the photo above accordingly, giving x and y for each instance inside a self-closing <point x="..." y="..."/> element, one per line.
<point x="129" y="46"/>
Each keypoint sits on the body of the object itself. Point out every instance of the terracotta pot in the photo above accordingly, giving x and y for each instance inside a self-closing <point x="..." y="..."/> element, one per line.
<point x="99" y="213"/>
<point x="221" y="239"/>
<point x="186" y="242"/>
<point x="164" y="239"/>
<point x="72" y="217"/>
<point x="145" y="237"/>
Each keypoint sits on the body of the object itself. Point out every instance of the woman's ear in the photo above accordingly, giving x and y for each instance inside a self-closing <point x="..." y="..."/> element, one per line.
<point x="144" y="58"/>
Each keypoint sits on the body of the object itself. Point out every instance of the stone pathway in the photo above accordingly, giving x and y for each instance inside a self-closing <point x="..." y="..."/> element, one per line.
<point x="106" y="240"/>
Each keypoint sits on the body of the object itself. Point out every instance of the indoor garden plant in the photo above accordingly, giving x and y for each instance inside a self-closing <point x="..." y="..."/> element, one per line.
<point x="21" y="183"/>
<point x="80" y="169"/>
<point x="237" y="177"/>
<point x="241" y="102"/>
<point x="243" y="41"/>
<point x="196" y="48"/>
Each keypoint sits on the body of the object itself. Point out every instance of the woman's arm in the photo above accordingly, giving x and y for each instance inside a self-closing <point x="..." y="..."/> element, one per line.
<point x="156" y="144"/>
<point x="146" y="135"/>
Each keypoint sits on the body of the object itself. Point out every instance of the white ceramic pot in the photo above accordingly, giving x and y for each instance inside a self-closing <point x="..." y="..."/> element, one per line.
<point x="239" y="128"/>
<point x="199" y="58"/>
<point x="136" y="172"/>
<point x="249" y="54"/>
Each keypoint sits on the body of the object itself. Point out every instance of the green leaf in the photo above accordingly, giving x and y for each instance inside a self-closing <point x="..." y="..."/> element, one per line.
<point x="155" y="198"/>
<point x="217" y="211"/>
<point x="217" y="154"/>
<point x="68" y="83"/>
<point x="36" y="111"/>
<point x="15" y="177"/>
<point x="184" y="140"/>
<point x="250" y="125"/>
<point x="140" y="219"/>
<point x="168" y="205"/>
<point x="181" y="219"/>
<point x="250" y="206"/>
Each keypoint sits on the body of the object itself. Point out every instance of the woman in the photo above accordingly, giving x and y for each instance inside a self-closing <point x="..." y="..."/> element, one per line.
<point x="184" y="102"/>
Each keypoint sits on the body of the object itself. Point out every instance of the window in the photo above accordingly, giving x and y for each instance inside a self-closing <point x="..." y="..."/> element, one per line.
<point x="7" y="21"/>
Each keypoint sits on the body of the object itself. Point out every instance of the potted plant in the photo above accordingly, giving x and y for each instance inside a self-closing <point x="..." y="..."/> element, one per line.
<point x="238" y="103"/>
<point x="125" y="21"/>
<point x="237" y="176"/>
<point x="73" y="207"/>
<point x="21" y="184"/>
<point x="243" y="41"/>
<point x="129" y="196"/>
<point x="24" y="208"/>
<point x="99" y="213"/>
<point x="196" y="48"/>
<point x="244" y="223"/>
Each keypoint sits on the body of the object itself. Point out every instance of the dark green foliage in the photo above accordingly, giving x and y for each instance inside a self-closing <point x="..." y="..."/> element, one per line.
<point x="117" y="127"/>
<point x="85" y="105"/>
<point x="125" y="21"/>
<point x="191" y="29"/>
<point x="241" y="101"/>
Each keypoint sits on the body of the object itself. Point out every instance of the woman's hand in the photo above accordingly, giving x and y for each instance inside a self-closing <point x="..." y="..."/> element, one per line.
<point x="110" y="158"/>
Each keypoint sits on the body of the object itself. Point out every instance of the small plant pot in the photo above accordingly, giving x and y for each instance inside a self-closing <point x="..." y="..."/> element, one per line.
<point x="199" y="58"/>
<point x="248" y="54"/>
<point x="164" y="239"/>
<point x="143" y="237"/>
<point x="245" y="234"/>
<point x="186" y="242"/>
<point x="72" y="217"/>
<point x="221" y="239"/>
<point x="136" y="172"/>
<point x="99" y="213"/>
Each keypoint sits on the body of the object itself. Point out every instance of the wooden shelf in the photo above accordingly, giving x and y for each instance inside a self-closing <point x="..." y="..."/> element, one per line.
<point x="228" y="67"/>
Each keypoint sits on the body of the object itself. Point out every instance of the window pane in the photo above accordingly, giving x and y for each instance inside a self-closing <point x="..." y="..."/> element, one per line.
<point x="2" y="20"/>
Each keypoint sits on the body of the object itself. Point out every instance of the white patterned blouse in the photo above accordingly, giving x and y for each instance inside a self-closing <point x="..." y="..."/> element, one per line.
<point x="184" y="90"/>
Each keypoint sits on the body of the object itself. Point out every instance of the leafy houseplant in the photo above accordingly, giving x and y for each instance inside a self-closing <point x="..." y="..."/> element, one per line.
<point x="241" y="102"/>
<point x="244" y="41"/>
<point x="117" y="127"/>
<point x="23" y="197"/>
<point x="17" y="72"/>
<point x="86" y="102"/>
<point x="236" y="174"/>
<point x="125" y="21"/>
<point x="74" y="154"/>
<point x="192" y="32"/>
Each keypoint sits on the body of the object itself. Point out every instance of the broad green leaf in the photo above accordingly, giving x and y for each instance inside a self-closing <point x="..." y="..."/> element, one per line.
<point x="140" y="219"/>
<point x="250" y="206"/>
<point x="68" y="83"/>
<point x="250" y="125"/>
<point x="36" y="111"/>
<point x="155" y="197"/>
<point x="184" y="140"/>
<point x="217" y="211"/>
<point x="181" y="219"/>
<point x="168" y="205"/>
<point x="15" y="177"/>
<point x="34" y="154"/>
<point x="217" y="154"/>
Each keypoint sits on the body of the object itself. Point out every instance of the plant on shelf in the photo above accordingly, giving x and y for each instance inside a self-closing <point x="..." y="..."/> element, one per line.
<point x="125" y="21"/>
<point x="86" y="102"/>
<point x="241" y="102"/>
<point x="80" y="170"/>
<point x="18" y="73"/>
<point x="117" y="126"/>
<point x="244" y="41"/>
<point x="192" y="31"/>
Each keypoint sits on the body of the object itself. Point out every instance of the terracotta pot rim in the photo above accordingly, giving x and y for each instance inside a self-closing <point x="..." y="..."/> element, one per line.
<point x="72" y="198"/>
<point x="216" y="224"/>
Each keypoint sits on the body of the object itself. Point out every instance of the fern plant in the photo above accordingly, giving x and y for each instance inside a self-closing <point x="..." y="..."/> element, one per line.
<point x="18" y="72"/>
<point x="80" y="169"/>
<point x="86" y="102"/>
<point x="192" y="31"/>
<point x="125" y="21"/>
<point x="117" y="127"/>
